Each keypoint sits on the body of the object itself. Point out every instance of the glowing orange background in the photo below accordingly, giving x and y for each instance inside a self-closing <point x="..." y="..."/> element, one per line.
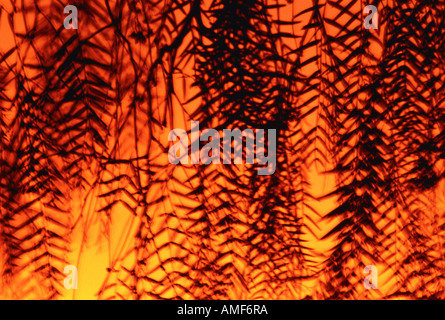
<point x="104" y="208"/>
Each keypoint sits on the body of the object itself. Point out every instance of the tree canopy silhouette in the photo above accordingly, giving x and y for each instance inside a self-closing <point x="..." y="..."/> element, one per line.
<point x="359" y="114"/>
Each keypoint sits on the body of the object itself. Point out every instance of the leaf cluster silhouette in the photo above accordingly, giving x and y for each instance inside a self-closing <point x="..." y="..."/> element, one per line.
<point x="85" y="115"/>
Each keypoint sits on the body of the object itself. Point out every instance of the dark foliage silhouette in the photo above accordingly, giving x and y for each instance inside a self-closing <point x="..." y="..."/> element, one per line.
<point x="85" y="115"/>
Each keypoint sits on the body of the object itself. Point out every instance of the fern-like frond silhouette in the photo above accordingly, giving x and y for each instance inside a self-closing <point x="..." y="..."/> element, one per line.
<point x="85" y="178"/>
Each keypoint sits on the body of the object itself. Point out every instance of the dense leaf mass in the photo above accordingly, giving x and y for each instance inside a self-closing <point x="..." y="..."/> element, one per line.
<point x="359" y="179"/>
